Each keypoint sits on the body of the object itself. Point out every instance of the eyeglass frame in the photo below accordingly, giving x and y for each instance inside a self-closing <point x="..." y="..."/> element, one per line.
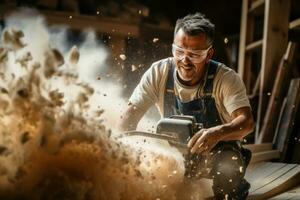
<point x="195" y="52"/>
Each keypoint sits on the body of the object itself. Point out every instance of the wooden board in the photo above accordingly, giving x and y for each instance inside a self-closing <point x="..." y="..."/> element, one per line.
<point x="255" y="173"/>
<point x="275" y="36"/>
<point x="259" y="147"/>
<point x="246" y="37"/>
<point x="278" y="182"/>
<point x="268" y="179"/>
<point x="264" y="156"/>
<point x="268" y="175"/>
<point x="285" y="128"/>
<point x="257" y="7"/>
<point x="295" y="24"/>
<point x="279" y="91"/>
<point x="293" y="194"/>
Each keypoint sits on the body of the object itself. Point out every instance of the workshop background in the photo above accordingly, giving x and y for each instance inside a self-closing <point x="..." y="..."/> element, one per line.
<point x="257" y="38"/>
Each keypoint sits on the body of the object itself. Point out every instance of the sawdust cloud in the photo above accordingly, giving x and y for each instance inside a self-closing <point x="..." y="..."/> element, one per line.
<point x="56" y="125"/>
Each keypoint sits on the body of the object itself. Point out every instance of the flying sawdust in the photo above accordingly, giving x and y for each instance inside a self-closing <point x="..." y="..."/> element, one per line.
<point x="50" y="148"/>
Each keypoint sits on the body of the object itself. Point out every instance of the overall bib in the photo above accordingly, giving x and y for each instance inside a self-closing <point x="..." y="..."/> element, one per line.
<point x="227" y="161"/>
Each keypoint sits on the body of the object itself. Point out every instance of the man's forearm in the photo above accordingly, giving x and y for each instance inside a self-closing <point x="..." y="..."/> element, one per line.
<point x="241" y="125"/>
<point x="237" y="129"/>
<point x="130" y="118"/>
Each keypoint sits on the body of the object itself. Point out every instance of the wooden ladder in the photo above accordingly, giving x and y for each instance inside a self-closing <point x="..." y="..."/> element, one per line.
<point x="260" y="53"/>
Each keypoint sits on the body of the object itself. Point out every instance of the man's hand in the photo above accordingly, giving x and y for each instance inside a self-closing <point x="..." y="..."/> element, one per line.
<point x="205" y="140"/>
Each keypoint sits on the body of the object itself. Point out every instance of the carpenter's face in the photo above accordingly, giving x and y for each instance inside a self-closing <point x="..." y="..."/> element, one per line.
<point x="191" y="53"/>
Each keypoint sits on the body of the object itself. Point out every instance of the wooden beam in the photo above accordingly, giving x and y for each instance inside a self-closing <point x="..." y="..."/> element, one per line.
<point x="101" y="25"/>
<point x="275" y="37"/>
<point x="292" y="194"/>
<point x="256" y="87"/>
<point x="246" y="37"/>
<point x="286" y="125"/>
<point x="254" y="148"/>
<point x="277" y="95"/>
<point x="254" y="45"/>
<point x="113" y="26"/>
<point x="294" y="24"/>
<point x="243" y="32"/>
<point x="279" y="182"/>
<point x="264" y="156"/>
<point x="268" y="173"/>
<point x="257" y="7"/>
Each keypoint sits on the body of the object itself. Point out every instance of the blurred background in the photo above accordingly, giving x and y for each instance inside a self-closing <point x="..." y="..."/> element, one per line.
<point x="252" y="37"/>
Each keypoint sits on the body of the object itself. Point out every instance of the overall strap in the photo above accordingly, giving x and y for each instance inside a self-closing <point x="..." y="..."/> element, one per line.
<point x="169" y="98"/>
<point x="212" y="68"/>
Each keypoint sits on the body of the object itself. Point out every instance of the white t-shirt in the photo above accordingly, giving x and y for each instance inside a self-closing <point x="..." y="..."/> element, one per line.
<point x="228" y="90"/>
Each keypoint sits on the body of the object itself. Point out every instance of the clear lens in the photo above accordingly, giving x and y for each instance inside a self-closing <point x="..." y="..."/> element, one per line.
<point x="195" y="56"/>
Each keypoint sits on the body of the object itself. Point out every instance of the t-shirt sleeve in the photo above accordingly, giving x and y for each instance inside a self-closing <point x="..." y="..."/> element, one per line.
<point x="233" y="92"/>
<point x="146" y="92"/>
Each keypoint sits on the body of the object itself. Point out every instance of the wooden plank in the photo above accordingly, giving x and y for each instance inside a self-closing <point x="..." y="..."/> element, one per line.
<point x="257" y="7"/>
<point x="287" y="180"/>
<point x="119" y="27"/>
<point x="267" y="179"/>
<point x="286" y="124"/>
<point x="283" y="107"/>
<point x="264" y="156"/>
<point x="253" y="172"/>
<point x="275" y="36"/>
<point x="293" y="194"/>
<point x="243" y="33"/>
<point x="49" y="4"/>
<point x="294" y="24"/>
<point x="259" y="171"/>
<point x="246" y="37"/>
<point x="256" y="87"/>
<point x="254" y="45"/>
<point x="270" y="176"/>
<point x="277" y="95"/>
<point x="79" y="22"/>
<point x="254" y="148"/>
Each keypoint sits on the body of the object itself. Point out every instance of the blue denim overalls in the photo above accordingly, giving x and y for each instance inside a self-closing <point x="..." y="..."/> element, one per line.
<point x="227" y="161"/>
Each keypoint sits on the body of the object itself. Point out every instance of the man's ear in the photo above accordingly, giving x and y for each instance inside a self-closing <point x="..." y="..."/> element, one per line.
<point x="209" y="54"/>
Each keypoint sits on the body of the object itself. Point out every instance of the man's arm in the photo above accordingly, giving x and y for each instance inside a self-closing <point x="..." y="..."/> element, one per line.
<point x="130" y="118"/>
<point x="241" y="125"/>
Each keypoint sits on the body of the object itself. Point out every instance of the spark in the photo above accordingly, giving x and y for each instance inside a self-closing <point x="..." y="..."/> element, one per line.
<point x="122" y="56"/>
<point x="155" y="40"/>
<point x="226" y="40"/>
<point x="133" y="68"/>
<point x="234" y="158"/>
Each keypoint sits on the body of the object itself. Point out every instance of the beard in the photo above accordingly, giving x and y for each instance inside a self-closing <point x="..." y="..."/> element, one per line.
<point x="186" y="72"/>
<point x="190" y="74"/>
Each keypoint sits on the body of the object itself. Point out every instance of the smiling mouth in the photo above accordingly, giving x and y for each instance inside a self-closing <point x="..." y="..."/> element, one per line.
<point x="186" y="67"/>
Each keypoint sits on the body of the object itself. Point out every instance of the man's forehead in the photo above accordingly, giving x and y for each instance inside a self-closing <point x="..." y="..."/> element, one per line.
<point x="185" y="40"/>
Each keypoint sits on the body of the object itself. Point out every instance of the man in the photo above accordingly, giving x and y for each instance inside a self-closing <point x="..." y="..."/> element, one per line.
<point x="190" y="83"/>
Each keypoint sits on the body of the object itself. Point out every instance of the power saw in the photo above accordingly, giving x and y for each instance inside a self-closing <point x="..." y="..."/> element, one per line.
<point x="176" y="130"/>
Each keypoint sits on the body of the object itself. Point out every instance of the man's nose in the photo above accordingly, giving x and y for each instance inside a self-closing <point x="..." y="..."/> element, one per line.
<point x="186" y="60"/>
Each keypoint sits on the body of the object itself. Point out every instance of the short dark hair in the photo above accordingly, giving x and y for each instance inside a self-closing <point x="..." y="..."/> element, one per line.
<point x="193" y="24"/>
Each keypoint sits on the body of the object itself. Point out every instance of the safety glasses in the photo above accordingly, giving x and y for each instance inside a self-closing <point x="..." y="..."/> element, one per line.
<point x="195" y="56"/>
